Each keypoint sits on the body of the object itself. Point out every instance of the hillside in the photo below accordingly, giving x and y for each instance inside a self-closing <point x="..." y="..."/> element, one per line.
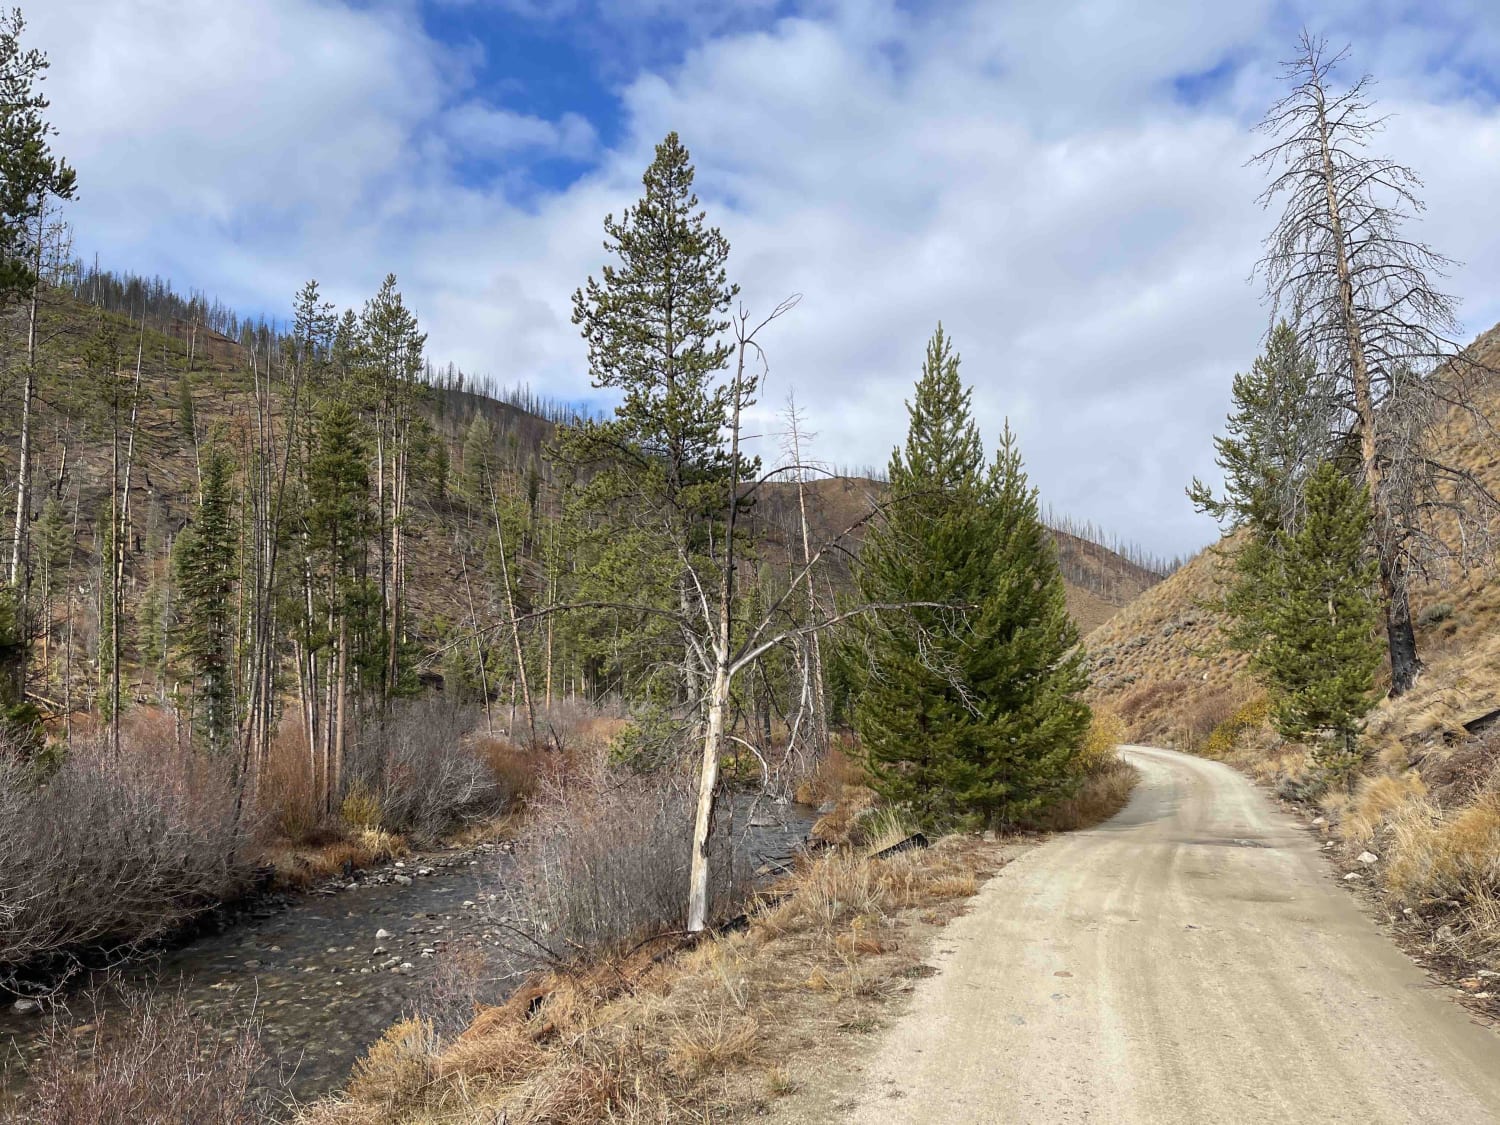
<point x="72" y="466"/>
<point x="1162" y="664"/>
<point x="1099" y="580"/>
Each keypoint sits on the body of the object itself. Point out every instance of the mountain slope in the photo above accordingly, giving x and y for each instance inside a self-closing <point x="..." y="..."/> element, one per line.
<point x="1161" y="661"/>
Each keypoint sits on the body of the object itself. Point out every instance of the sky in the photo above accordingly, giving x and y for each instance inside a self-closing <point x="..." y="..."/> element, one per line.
<point x="1062" y="183"/>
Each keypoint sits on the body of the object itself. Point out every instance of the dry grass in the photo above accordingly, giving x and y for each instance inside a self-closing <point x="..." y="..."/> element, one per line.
<point x="646" y="1038"/>
<point x="834" y="773"/>
<point x="316" y="859"/>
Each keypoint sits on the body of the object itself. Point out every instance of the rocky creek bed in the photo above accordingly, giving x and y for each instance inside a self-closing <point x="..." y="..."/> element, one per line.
<point x="329" y="972"/>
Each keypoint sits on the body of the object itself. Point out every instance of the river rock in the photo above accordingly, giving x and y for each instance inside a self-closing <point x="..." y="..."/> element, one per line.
<point x="402" y="880"/>
<point x="1352" y="877"/>
<point x="382" y="935"/>
<point x="1368" y="858"/>
<point x="26" y="1007"/>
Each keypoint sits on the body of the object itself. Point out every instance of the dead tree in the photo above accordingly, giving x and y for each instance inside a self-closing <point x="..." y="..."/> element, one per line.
<point x="1364" y="298"/>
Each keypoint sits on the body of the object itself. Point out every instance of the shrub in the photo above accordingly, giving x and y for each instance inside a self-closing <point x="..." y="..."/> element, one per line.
<point x="1203" y="716"/>
<point x="148" y="1058"/>
<point x="605" y="863"/>
<point x="1434" y="615"/>
<point x="114" y="849"/>
<point x="287" y="793"/>
<point x="1247" y="716"/>
<point x="1101" y="742"/>
<point x="420" y="768"/>
<point x="831" y="774"/>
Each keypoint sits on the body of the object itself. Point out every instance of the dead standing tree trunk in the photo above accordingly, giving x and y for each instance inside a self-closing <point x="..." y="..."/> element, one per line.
<point x="1366" y="306"/>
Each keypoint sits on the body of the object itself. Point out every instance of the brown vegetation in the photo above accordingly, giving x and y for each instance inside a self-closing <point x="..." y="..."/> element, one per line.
<point x="111" y="849"/>
<point x="715" y="1029"/>
<point x="147" y="1057"/>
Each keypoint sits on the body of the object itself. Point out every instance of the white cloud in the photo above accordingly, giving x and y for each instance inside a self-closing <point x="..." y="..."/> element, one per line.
<point x="1019" y="171"/>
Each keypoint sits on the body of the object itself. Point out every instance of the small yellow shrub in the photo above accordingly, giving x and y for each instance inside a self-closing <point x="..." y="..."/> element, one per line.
<point x="1246" y="717"/>
<point x="1105" y="734"/>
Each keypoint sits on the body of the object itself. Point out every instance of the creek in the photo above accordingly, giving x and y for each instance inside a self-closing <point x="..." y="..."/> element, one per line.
<point x="321" y="984"/>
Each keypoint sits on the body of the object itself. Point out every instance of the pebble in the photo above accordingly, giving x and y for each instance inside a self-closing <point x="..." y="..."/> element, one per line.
<point x="381" y="935"/>
<point x="1368" y="858"/>
<point x="1319" y="821"/>
<point x="1352" y="876"/>
<point x="406" y="968"/>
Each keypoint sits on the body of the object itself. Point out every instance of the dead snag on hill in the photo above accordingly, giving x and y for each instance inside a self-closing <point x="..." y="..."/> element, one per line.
<point x="1363" y="294"/>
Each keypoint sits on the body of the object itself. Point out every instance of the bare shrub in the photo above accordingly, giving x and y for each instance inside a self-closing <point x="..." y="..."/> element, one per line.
<point x="288" y="789"/>
<point x="605" y="863"/>
<point x="114" y="849"/>
<point x="518" y="770"/>
<point x="419" y="766"/>
<point x="148" y="1059"/>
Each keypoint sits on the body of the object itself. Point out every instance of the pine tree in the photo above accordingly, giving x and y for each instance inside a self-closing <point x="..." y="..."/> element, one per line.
<point x="29" y="172"/>
<point x="655" y="481"/>
<point x="1023" y="661"/>
<point x="1274" y="438"/>
<point x="971" y="712"/>
<point x="913" y="710"/>
<point x="1322" y="653"/>
<point x="205" y="566"/>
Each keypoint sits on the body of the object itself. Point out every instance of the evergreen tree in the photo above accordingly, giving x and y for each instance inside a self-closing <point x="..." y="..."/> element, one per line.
<point x="1274" y="438"/>
<point x="205" y="566"/>
<point x="913" y="712"/>
<point x="1023" y="661"/>
<point x="1321" y="652"/>
<point x="653" y="484"/>
<point x="186" y="416"/>
<point x="29" y="172"/>
<point x="973" y="711"/>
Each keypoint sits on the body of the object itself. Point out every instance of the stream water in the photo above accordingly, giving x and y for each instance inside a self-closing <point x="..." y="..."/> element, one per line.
<point x="322" y="985"/>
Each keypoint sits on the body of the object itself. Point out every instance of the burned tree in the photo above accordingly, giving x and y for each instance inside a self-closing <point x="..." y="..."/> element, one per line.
<point x="1364" y="298"/>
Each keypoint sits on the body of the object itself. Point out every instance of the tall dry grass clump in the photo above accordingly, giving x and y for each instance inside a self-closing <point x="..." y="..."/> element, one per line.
<point x="148" y="1058"/>
<point x="113" y="849"/>
<point x="1437" y="856"/>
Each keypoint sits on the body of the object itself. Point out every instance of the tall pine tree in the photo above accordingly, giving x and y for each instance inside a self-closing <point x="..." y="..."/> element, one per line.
<point x="205" y="566"/>
<point x="654" y="478"/>
<point x="968" y="712"/>
<point x="1024" y="660"/>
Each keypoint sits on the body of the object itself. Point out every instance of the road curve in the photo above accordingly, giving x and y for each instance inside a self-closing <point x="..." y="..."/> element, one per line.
<point x="1191" y="960"/>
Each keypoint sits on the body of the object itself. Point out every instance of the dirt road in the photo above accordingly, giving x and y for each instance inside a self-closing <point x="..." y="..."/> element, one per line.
<point x="1191" y="960"/>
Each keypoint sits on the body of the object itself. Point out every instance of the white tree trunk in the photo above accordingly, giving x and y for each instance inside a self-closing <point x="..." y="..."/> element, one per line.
<point x="708" y="783"/>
